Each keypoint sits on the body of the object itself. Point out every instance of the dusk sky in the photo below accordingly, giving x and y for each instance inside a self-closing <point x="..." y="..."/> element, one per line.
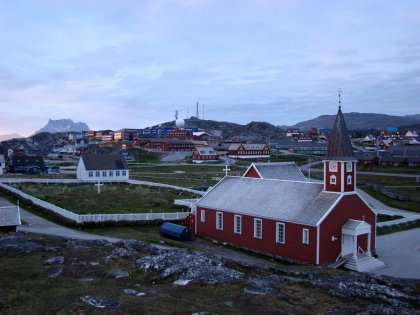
<point x="131" y="64"/>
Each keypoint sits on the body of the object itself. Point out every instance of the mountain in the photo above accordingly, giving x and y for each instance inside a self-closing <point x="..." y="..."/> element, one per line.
<point x="10" y="136"/>
<point x="360" y="121"/>
<point x="63" y="125"/>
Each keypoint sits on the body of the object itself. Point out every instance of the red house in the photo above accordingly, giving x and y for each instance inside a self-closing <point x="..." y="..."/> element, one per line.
<point x="311" y="222"/>
<point x="204" y="154"/>
<point x="249" y="150"/>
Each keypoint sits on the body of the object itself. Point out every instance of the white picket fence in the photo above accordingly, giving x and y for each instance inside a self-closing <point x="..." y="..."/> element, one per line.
<point x="84" y="218"/>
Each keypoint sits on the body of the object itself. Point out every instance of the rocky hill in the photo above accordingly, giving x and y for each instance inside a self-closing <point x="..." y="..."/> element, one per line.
<point x="63" y="125"/>
<point x="255" y="131"/>
<point x="360" y="121"/>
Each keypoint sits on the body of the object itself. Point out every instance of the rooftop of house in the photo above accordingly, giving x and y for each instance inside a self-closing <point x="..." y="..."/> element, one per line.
<point x="9" y="216"/>
<point x="96" y="162"/>
<point x="280" y="170"/>
<point x="205" y="150"/>
<point x="292" y="201"/>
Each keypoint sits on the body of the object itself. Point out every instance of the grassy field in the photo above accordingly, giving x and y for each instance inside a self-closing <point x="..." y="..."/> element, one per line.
<point x="116" y="198"/>
<point x="389" y="169"/>
<point x="25" y="287"/>
<point x="300" y="159"/>
<point x="194" y="176"/>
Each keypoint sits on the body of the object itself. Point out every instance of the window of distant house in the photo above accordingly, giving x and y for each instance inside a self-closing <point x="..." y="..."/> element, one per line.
<point x="124" y="173"/>
<point x="219" y="220"/>
<point x="97" y="174"/>
<point x="305" y="236"/>
<point x="117" y="173"/>
<point x="237" y="224"/>
<point x="111" y="173"/>
<point x="280" y="233"/>
<point x="90" y="174"/>
<point x="349" y="166"/>
<point x="202" y="216"/>
<point x="104" y="173"/>
<point x="258" y="228"/>
<point x="349" y="180"/>
<point x="333" y="180"/>
<point x="333" y="166"/>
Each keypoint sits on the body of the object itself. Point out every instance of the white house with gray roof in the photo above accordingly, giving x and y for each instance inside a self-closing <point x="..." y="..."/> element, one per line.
<point x="102" y="168"/>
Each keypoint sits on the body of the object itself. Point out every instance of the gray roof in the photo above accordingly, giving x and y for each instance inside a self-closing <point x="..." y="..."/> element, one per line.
<point x="280" y="170"/>
<point x="9" y="216"/>
<point x="339" y="145"/>
<point x="300" y="202"/>
<point x="98" y="162"/>
<point x="206" y="150"/>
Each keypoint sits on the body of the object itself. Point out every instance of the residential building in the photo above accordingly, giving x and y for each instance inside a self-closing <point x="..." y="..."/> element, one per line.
<point x="249" y="150"/>
<point x="2" y="164"/>
<point x="26" y="164"/>
<point x="102" y="167"/>
<point x="205" y="154"/>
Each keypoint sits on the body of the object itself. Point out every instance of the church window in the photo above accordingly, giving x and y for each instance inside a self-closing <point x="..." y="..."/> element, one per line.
<point x="333" y="180"/>
<point x="349" y="180"/>
<point x="349" y="166"/>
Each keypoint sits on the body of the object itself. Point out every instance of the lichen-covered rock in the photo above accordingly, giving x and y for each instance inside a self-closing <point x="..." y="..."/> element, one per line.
<point x="55" y="271"/>
<point x="100" y="302"/>
<point x="189" y="265"/>
<point x="118" y="273"/>
<point x="54" y="260"/>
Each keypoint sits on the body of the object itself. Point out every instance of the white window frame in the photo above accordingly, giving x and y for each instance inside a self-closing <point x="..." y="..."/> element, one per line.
<point x="202" y="216"/>
<point x="305" y="236"/>
<point x="256" y="234"/>
<point x="103" y="173"/>
<point x="90" y="174"/>
<point x="237" y="224"/>
<point x="111" y="173"/>
<point x="280" y="227"/>
<point x="97" y="174"/>
<point x="117" y="173"/>
<point x="124" y="173"/>
<point x="333" y="166"/>
<point x="333" y="180"/>
<point x="349" y="179"/>
<point x="219" y="220"/>
<point x="349" y="166"/>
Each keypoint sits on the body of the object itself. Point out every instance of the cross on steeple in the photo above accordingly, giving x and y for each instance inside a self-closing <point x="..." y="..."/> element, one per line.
<point x="339" y="98"/>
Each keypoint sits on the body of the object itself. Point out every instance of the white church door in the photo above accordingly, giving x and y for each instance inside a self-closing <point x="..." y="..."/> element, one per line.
<point x="347" y="245"/>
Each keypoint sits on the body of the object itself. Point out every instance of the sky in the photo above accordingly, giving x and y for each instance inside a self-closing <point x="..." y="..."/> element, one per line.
<point x="130" y="64"/>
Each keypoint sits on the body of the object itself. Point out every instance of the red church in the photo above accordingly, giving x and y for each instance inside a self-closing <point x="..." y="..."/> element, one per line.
<point x="282" y="214"/>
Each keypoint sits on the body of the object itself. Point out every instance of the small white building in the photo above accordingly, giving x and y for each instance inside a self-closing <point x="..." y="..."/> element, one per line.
<point x="2" y="164"/>
<point x="101" y="167"/>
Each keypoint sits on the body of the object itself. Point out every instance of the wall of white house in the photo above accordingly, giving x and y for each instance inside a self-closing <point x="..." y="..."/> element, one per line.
<point x="101" y="175"/>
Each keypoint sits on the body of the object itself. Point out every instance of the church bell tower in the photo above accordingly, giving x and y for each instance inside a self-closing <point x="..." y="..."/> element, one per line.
<point x="340" y="162"/>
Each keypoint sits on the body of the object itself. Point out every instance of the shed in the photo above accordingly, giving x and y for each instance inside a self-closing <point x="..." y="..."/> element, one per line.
<point x="176" y="231"/>
<point x="9" y="219"/>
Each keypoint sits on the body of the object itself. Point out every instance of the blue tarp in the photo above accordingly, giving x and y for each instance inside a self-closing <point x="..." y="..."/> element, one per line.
<point x="174" y="230"/>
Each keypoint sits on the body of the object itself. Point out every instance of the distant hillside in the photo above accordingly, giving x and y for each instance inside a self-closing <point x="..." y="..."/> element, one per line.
<point x="10" y="136"/>
<point x="361" y="121"/>
<point x="252" y="132"/>
<point x="63" y="125"/>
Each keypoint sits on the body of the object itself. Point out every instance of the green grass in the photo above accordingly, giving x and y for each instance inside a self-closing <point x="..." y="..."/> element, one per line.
<point x="406" y="205"/>
<point x="388" y="169"/>
<point x="386" y="217"/>
<point x="383" y="230"/>
<point x="115" y="198"/>
<point x="143" y="156"/>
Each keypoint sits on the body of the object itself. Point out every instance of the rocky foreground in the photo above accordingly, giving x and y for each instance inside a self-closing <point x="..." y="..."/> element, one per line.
<point x="49" y="275"/>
